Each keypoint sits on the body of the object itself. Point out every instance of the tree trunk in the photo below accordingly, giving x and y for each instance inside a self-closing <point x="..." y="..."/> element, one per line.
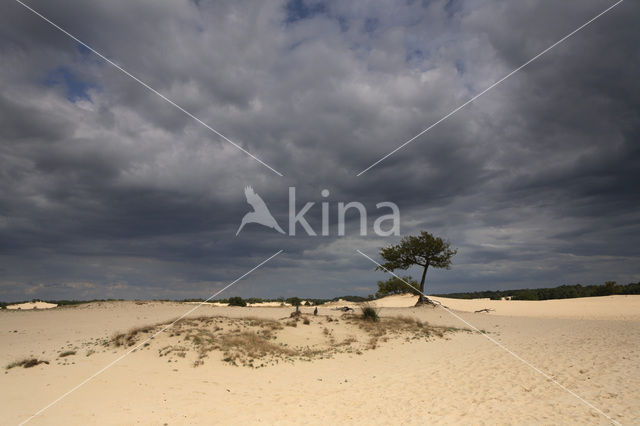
<point x="421" y="297"/>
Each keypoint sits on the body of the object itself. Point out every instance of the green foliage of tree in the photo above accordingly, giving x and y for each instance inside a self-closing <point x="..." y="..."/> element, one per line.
<point x="423" y="250"/>
<point x="396" y="285"/>
<point x="294" y="301"/>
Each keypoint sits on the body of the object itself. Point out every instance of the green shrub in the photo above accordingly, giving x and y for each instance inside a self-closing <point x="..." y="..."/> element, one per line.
<point x="237" y="301"/>
<point x="370" y="314"/>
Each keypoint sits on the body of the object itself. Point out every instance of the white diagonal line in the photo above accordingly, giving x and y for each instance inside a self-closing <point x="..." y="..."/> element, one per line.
<point x="491" y="87"/>
<point x="501" y="346"/>
<point x="124" y="71"/>
<point x="106" y="367"/>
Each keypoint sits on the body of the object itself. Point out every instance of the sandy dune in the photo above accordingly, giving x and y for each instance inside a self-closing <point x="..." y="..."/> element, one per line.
<point x="32" y="305"/>
<point x="605" y="307"/>
<point x="459" y="378"/>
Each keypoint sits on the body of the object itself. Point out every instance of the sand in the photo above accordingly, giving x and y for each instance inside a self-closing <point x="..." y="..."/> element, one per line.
<point x="605" y="307"/>
<point x="32" y="305"/>
<point x="258" y="305"/>
<point x="591" y="346"/>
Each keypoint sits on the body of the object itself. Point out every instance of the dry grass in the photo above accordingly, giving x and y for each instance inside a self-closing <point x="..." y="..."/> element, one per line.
<point x="66" y="353"/>
<point x="257" y="342"/>
<point x="26" y="363"/>
<point x="241" y="341"/>
<point x="248" y="346"/>
<point x="399" y="325"/>
<point x="129" y="338"/>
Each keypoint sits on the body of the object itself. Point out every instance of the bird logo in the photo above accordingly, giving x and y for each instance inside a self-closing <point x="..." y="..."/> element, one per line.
<point x="260" y="213"/>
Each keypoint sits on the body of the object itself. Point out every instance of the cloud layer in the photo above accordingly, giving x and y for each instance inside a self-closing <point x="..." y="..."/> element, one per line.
<point x="106" y="190"/>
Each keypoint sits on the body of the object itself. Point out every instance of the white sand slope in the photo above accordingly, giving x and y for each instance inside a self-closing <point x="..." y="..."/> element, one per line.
<point x="605" y="307"/>
<point x="32" y="305"/>
<point x="396" y="301"/>
<point x="460" y="379"/>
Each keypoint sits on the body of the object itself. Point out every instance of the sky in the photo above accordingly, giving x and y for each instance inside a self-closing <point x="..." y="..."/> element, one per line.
<point x="109" y="191"/>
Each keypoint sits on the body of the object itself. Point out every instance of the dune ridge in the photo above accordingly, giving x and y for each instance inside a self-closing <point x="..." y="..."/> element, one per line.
<point x="459" y="378"/>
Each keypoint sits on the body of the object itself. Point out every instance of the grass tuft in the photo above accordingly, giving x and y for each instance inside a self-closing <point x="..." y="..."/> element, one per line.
<point x="369" y="313"/>
<point x="26" y="363"/>
<point x="249" y="345"/>
<point x="129" y="338"/>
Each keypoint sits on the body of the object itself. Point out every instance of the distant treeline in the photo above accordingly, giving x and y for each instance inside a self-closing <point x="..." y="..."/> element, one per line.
<point x="561" y="292"/>
<point x="291" y="300"/>
<point x="306" y="301"/>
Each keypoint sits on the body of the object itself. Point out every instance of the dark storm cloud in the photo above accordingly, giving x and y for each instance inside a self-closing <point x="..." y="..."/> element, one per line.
<point x="109" y="191"/>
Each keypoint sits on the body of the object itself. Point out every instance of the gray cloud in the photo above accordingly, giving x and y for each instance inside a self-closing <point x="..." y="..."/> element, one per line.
<point x="108" y="191"/>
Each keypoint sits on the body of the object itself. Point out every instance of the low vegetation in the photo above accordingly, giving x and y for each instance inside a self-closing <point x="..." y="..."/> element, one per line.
<point x="129" y="338"/>
<point x="398" y="327"/>
<point x="257" y="342"/>
<point x="237" y="301"/>
<point x="369" y="313"/>
<point x="26" y="363"/>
